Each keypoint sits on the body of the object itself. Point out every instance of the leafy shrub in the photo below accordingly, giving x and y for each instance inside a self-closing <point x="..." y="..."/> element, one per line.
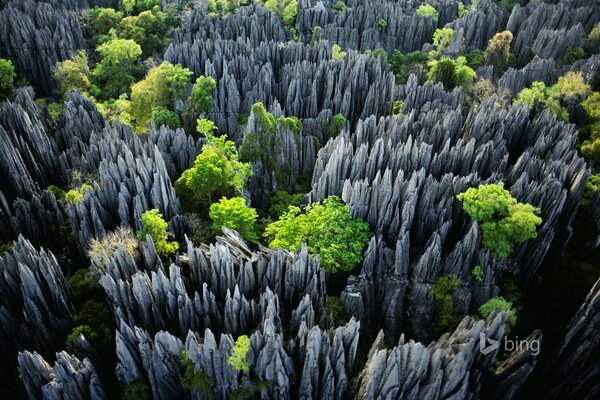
<point x="337" y="53"/>
<point x="76" y="195"/>
<point x="7" y="77"/>
<point x="402" y="65"/>
<point x="154" y="225"/>
<point x="572" y="86"/>
<point x="234" y="214"/>
<point x="451" y="73"/>
<point x="328" y="230"/>
<point x="163" y="116"/>
<point x="239" y="355"/>
<point x="426" y="10"/>
<point x="499" y="304"/>
<point x="591" y="146"/>
<point x="397" y="107"/>
<point x="441" y="40"/>
<point x="114" y="72"/>
<point x="339" y="6"/>
<point x="334" y="126"/>
<point x="121" y="236"/>
<point x="477" y="273"/>
<point x="190" y="379"/>
<point x="594" y="35"/>
<point x="539" y="96"/>
<point x="572" y="54"/>
<point x="205" y="126"/>
<point x="504" y="222"/>
<point x="475" y="59"/>
<point x="286" y="10"/>
<point x="443" y="291"/>
<point x="381" y="24"/>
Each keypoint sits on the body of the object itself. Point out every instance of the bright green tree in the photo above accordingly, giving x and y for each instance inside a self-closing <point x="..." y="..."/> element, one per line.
<point x="239" y="355"/>
<point x="234" y="214"/>
<point x="328" y="230"/>
<point x="381" y="24"/>
<point x="443" y="291"/>
<point x="497" y="305"/>
<point x="153" y="224"/>
<point x="217" y="172"/>
<point x="202" y="93"/>
<point x="7" y="77"/>
<point x="286" y="10"/>
<point x="337" y="53"/>
<point x="427" y="10"/>
<point x="441" y="40"/>
<point x="504" y="222"/>
<point x="539" y="96"/>
<point x="572" y="86"/>
<point x="590" y="147"/>
<point x="113" y="74"/>
<point x="107" y="19"/>
<point x="205" y="126"/>
<point x="339" y="6"/>
<point x="73" y="73"/>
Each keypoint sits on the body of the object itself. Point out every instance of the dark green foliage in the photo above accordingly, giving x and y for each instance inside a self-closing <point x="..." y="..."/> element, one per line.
<point x="573" y="54"/>
<point x="402" y="65"/>
<point x="7" y="77"/>
<point x="397" y="107"/>
<point x="499" y="304"/>
<point x="477" y="273"/>
<point x="451" y="73"/>
<point x="443" y="291"/>
<point x="328" y="230"/>
<point x="286" y="10"/>
<point x="282" y="200"/>
<point x="5" y="248"/>
<point x="334" y="126"/>
<point x="190" y="379"/>
<point x="163" y="116"/>
<point x="202" y="93"/>
<point x="138" y="390"/>
<point x="475" y="59"/>
<point x="113" y="75"/>
<point x="335" y="307"/>
<point x="504" y="222"/>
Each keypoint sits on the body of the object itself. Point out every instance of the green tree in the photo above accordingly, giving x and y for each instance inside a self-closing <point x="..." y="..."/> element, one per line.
<point x="106" y="19"/>
<point x="114" y="109"/>
<point x="153" y="224"/>
<point x="539" y="96"/>
<point x="337" y="53"/>
<point x="73" y="73"/>
<point x="76" y="195"/>
<point x="426" y="10"/>
<point x="202" y="93"/>
<point x="443" y="291"/>
<point x="239" y="355"/>
<point x="234" y="214"/>
<point x="381" y="24"/>
<point x="286" y="10"/>
<point x="590" y="147"/>
<point x="7" y="77"/>
<point x="162" y="87"/>
<point x="504" y="222"/>
<point x="441" y="40"/>
<point x="402" y="65"/>
<point x="328" y="230"/>
<point x="217" y="171"/>
<point x="573" y="54"/>
<point x="164" y="116"/>
<point x="205" y="126"/>
<point x="334" y="126"/>
<point x="113" y="74"/>
<point x="497" y="305"/>
<point x="281" y="202"/>
<point x="572" y="86"/>
<point x="477" y="273"/>
<point x="475" y="59"/>
<point x="451" y="73"/>
<point x="498" y="51"/>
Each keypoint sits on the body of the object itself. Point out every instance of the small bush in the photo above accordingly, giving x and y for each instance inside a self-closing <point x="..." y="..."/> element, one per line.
<point x="190" y="379"/>
<point x="337" y="53"/>
<point x="381" y="24"/>
<point x="339" y="6"/>
<point x="499" y="304"/>
<point x="336" y="308"/>
<point x="443" y="290"/>
<point x="154" y="225"/>
<point x="234" y="214"/>
<point x="426" y="10"/>
<point x="573" y="54"/>
<point x="239" y="355"/>
<point x="164" y="116"/>
<point x="137" y="390"/>
<point x="477" y="273"/>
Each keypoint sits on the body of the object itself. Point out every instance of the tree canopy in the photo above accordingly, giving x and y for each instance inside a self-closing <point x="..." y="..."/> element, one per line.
<point x="7" y="77"/>
<point x="234" y="214"/>
<point x="153" y="224"/>
<point x="500" y="304"/>
<point x="504" y="222"/>
<point x="73" y="73"/>
<point x="328" y="230"/>
<point x="498" y="51"/>
<point x="451" y="73"/>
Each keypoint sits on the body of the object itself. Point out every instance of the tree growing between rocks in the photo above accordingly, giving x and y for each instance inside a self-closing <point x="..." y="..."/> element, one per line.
<point x="7" y="77"/>
<point x="498" y="51"/>
<point x="234" y="214"/>
<point x="153" y="224"/>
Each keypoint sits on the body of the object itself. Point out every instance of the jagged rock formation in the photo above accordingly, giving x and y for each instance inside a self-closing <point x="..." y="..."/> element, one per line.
<point x="547" y="30"/>
<point x="401" y="174"/>
<point x="70" y="378"/>
<point x="474" y="30"/>
<point x="573" y="370"/>
<point x="538" y="70"/>
<point x="36" y="35"/>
